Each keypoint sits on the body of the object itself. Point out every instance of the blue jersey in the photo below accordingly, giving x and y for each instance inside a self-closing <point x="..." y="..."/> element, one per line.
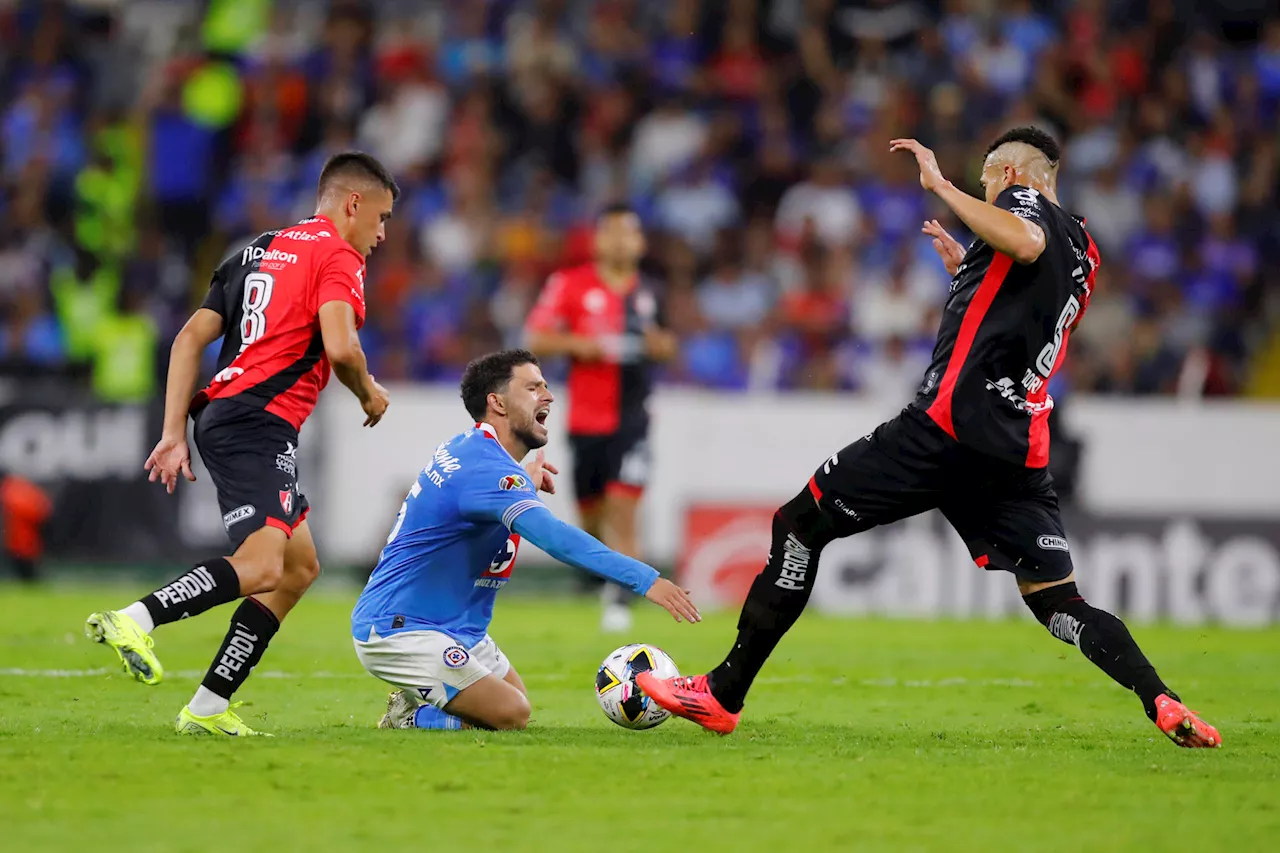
<point x="452" y="547"/>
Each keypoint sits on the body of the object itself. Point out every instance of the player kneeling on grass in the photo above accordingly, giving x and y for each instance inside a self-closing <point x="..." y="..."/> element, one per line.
<point x="421" y="623"/>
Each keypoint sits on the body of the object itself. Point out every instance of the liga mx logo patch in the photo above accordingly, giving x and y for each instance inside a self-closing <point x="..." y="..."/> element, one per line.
<point x="512" y="482"/>
<point x="456" y="657"/>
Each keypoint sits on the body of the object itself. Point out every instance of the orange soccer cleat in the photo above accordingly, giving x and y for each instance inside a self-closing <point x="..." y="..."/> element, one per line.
<point x="689" y="697"/>
<point x="1181" y="724"/>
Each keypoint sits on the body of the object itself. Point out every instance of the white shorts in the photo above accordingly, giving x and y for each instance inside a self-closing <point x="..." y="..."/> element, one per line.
<point x="430" y="665"/>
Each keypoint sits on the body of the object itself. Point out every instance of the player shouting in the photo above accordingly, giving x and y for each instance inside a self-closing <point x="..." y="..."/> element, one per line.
<point x="974" y="444"/>
<point x="422" y="621"/>
<point x="287" y="308"/>
<point x="605" y="318"/>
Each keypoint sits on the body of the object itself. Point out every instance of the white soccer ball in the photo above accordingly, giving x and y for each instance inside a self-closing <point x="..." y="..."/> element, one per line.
<point x="616" y="691"/>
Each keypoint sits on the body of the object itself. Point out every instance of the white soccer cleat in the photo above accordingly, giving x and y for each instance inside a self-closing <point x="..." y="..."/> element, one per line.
<point x="401" y="706"/>
<point x="616" y="619"/>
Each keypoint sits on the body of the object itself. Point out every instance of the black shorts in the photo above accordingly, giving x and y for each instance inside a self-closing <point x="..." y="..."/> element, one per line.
<point x="252" y="458"/>
<point x="1006" y="514"/>
<point x="608" y="463"/>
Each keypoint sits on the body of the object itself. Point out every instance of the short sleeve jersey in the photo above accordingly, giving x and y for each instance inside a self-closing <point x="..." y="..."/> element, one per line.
<point x="603" y="395"/>
<point x="269" y="296"/>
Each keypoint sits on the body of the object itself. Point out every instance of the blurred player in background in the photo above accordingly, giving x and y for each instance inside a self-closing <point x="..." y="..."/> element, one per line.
<point x="606" y="320"/>
<point x="24" y="508"/>
<point x="422" y="621"/>
<point x="974" y="444"/>
<point x="288" y="308"/>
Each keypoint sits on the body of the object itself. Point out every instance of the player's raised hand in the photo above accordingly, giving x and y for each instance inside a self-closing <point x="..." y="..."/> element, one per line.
<point x="170" y="459"/>
<point x="947" y="247"/>
<point x="375" y="405"/>
<point x="930" y="175"/>
<point x="676" y="600"/>
<point x="540" y="471"/>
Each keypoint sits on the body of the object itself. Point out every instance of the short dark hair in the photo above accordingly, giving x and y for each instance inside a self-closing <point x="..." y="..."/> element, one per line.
<point x="358" y="165"/>
<point x="1033" y="136"/>
<point x="488" y="374"/>
<point x="617" y="208"/>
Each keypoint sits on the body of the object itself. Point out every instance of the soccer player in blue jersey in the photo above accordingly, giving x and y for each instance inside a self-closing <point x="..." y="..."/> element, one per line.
<point x="422" y="622"/>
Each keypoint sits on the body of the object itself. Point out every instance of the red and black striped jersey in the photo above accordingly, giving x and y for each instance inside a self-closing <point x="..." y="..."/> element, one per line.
<point x="603" y="395"/>
<point x="269" y="296"/>
<point x="1004" y="334"/>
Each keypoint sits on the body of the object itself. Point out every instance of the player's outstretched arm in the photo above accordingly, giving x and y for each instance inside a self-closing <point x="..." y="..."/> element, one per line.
<point x="550" y="344"/>
<point x="171" y="456"/>
<point x="570" y="545"/>
<point x="342" y="346"/>
<point x="1020" y="239"/>
<point x="546" y="332"/>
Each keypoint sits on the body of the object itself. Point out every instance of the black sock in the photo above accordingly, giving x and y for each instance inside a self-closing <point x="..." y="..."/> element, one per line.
<point x="777" y="598"/>
<point x="209" y="584"/>
<point x="1102" y="638"/>
<point x="252" y="627"/>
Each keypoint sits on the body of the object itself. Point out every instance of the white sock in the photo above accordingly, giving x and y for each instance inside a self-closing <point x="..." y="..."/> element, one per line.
<point x="140" y="614"/>
<point x="206" y="703"/>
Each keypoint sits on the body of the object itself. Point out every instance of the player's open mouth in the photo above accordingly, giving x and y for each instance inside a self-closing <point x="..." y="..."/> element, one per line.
<point x="541" y="415"/>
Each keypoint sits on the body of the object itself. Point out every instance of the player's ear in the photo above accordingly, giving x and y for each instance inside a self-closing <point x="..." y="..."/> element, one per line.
<point x="497" y="403"/>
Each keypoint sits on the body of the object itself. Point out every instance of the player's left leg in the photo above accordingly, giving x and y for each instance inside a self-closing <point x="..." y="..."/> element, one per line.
<point x="1022" y="533"/>
<point x="513" y="678"/>
<point x="1107" y="643"/>
<point x="405" y="711"/>
<point x="444" y="686"/>
<point x="253" y="624"/>
<point x="499" y="701"/>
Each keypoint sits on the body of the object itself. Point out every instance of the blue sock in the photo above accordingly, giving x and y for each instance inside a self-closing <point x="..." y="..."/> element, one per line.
<point x="431" y="717"/>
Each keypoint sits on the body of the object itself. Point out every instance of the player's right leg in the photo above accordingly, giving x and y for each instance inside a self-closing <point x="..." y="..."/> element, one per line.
<point x="895" y="472"/>
<point x="590" y="476"/>
<point x="249" y="455"/>
<point x="626" y="475"/>
<point x="255" y="567"/>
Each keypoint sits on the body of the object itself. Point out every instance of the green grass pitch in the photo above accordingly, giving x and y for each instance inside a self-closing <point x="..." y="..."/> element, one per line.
<point x="861" y="735"/>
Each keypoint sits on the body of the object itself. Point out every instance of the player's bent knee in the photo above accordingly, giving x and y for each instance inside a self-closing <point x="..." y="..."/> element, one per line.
<point x="803" y="517"/>
<point x="259" y="575"/>
<point x="491" y="703"/>
<point x="1061" y="609"/>
<point x="515" y="715"/>
<point x="510" y="714"/>
<point x="303" y="574"/>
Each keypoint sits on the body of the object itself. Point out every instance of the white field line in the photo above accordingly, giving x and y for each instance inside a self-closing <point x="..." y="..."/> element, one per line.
<point x="195" y="674"/>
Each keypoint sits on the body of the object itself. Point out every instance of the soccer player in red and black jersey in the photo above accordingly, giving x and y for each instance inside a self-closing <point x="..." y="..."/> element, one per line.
<point x="287" y="308"/>
<point x="974" y="444"/>
<point x="605" y="319"/>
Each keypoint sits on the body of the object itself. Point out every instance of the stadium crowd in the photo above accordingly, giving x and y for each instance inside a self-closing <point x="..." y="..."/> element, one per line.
<point x="141" y="141"/>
